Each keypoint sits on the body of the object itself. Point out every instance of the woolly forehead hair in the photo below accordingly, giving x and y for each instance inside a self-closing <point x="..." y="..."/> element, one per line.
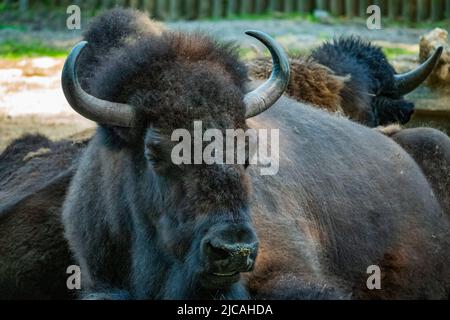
<point x="187" y="75"/>
<point x="366" y="54"/>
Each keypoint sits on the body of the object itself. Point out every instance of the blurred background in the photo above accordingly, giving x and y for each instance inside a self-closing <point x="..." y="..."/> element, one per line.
<point x="34" y="41"/>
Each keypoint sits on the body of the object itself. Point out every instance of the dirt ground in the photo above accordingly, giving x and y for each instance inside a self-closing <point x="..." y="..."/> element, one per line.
<point x="31" y="99"/>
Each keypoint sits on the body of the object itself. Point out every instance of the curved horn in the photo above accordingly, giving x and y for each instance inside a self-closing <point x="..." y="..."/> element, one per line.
<point x="408" y="82"/>
<point x="101" y="111"/>
<point x="263" y="97"/>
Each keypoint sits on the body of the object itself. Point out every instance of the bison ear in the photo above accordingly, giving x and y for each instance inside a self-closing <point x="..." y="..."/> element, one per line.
<point x="158" y="151"/>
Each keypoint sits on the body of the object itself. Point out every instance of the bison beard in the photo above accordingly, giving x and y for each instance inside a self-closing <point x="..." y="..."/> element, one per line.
<point x="346" y="197"/>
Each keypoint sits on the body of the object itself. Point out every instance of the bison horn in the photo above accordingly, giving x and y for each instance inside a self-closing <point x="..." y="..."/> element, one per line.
<point x="101" y="111"/>
<point x="408" y="82"/>
<point x="263" y="97"/>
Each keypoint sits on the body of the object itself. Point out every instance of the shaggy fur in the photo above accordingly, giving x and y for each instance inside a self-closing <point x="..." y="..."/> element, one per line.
<point x="370" y="96"/>
<point x="310" y="82"/>
<point x="33" y="251"/>
<point x="346" y="197"/>
<point x="430" y="148"/>
<point x="24" y="170"/>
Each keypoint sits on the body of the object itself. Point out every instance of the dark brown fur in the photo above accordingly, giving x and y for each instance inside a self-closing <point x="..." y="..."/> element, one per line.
<point x="430" y="148"/>
<point x="33" y="186"/>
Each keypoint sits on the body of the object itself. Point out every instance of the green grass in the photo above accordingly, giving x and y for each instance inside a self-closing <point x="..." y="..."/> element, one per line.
<point x="10" y="49"/>
<point x="268" y="16"/>
<point x="12" y="27"/>
<point x="389" y="23"/>
<point x="392" y="53"/>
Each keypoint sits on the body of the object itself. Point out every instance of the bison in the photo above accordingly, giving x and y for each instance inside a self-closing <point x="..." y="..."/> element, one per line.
<point x="345" y="198"/>
<point x="34" y="175"/>
<point x="354" y="77"/>
<point x="430" y="148"/>
<point x="375" y="91"/>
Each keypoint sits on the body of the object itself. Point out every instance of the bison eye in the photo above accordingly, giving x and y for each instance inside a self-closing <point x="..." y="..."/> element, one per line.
<point x="151" y="158"/>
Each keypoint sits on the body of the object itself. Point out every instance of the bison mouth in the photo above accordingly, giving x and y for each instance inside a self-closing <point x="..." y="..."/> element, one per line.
<point x="219" y="280"/>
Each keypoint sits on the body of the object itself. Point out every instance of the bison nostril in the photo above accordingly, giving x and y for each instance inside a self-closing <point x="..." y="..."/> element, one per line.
<point x="233" y="252"/>
<point x="218" y="253"/>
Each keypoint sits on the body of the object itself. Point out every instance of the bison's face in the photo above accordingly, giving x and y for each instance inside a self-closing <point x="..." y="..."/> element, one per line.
<point x="206" y="227"/>
<point x="389" y="88"/>
<point x="205" y="224"/>
<point x="390" y="109"/>
<point x="378" y="91"/>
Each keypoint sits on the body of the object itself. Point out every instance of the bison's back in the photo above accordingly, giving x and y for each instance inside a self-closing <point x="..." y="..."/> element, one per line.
<point x="35" y="173"/>
<point x="430" y="148"/>
<point x="348" y="198"/>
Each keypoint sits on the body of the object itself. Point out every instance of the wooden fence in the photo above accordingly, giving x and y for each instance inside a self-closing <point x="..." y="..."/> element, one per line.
<point x="407" y="10"/>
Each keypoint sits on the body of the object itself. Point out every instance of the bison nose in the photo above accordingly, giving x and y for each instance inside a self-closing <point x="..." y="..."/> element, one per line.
<point x="230" y="258"/>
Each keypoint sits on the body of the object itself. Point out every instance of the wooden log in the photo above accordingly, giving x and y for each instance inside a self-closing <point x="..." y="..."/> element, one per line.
<point x="149" y="7"/>
<point x="304" y="6"/>
<point x="134" y="4"/>
<point x="322" y="4"/>
<point x="351" y="8"/>
<point x="91" y="6"/>
<point x="217" y="6"/>
<point x="423" y="11"/>
<point x="273" y="6"/>
<point x="447" y="10"/>
<point x="203" y="9"/>
<point x="336" y="7"/>
<point x="120" y="3"/>
<point x="174" y="9"/>
<point x="231" y="8"/>
<point x="259" y="6"/>
<point x="191" y="12"/>
<point x="161" y="9"/>
<point x="406" y="10"/>
<point x="23" y="5"/>
<point x="288" y="6"/>
<point x="363" y="5"/>
<point x="106" y="4"/>
<point x="393" y="9"/>
<point x="244" y="7"/>
<point x="436" y="10"/>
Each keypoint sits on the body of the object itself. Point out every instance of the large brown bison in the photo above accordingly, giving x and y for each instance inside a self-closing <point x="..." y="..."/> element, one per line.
<point x="346" y="197"/>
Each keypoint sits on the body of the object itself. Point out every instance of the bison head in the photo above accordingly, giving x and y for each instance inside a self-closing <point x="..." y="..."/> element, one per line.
<point x="375" y="92"/>
<point x="199" y="213"/>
